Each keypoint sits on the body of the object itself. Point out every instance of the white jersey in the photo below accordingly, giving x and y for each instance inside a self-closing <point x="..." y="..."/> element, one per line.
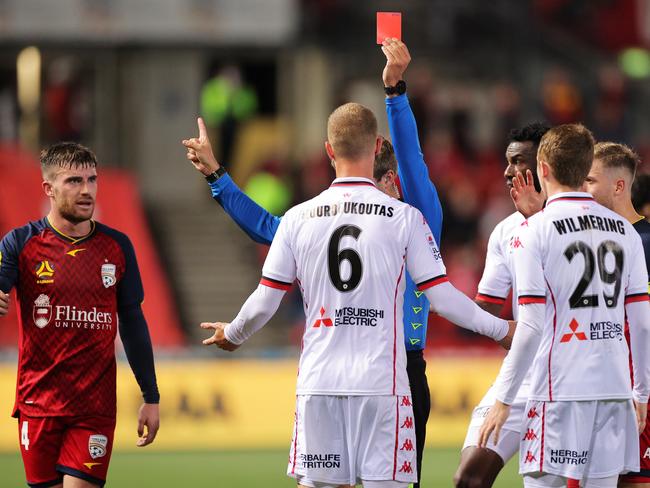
<point x="347" y="248"/>
<point x="584" y="262"/>
<point x="499" y="278"/>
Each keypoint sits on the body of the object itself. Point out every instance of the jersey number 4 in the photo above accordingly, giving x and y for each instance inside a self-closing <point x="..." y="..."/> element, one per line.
<point x="578" y="298"/>
<point x="336" y="257"/>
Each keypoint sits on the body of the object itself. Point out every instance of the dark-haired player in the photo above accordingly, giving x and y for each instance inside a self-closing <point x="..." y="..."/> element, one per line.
<point x="610" y="181"/>
<point x="479" y="467"/>
<point x="76" y="280"/>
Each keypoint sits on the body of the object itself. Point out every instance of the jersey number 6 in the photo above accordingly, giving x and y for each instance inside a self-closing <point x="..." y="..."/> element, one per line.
<point x="336" y="257"/>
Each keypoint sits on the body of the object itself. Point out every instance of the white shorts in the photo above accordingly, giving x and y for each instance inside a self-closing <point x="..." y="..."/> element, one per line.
<point x="586" y="439"/>
<point x="343" y="440"/>
<point x="510" y="436"/>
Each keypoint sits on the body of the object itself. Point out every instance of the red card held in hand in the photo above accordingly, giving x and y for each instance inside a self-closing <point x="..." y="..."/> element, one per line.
<point x="389" y="24"/>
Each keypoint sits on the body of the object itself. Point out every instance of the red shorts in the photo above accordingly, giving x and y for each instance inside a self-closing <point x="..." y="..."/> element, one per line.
<point x="76" y="446"/>
<point x="643" y="476"/>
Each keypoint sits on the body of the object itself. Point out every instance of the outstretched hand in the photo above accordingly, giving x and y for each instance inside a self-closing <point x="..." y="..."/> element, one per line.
<point x="524" y="195"/>
<point x="397" y="60"/>
<point x="199" y="151"/>
<point x="219" y="337"/>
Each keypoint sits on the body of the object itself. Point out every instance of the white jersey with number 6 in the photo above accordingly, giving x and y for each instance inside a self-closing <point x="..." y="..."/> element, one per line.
<point x="348" y="248"/>
<point x="585" y="263"/>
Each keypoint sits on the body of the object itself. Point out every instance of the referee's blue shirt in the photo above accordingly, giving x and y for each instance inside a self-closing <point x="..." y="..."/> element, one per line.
<point x="417" y="190"/>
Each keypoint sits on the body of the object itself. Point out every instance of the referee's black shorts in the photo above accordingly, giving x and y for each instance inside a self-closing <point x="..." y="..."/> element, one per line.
<point x="416" y="368"/>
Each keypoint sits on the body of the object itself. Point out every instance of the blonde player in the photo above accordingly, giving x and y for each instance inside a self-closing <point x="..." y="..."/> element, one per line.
<point x="348" y="249"/>
<point x="580" y="267"/>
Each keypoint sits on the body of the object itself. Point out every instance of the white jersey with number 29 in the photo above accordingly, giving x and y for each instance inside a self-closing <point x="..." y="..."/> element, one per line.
<point x="348" y="248"/>
<point x="585" y="263"/>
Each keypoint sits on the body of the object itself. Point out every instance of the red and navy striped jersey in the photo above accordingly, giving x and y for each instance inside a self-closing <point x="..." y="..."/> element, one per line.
<point x="70" y="292"/>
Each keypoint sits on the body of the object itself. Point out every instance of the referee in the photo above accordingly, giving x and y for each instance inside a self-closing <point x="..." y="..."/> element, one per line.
<point x="416" y="190"/>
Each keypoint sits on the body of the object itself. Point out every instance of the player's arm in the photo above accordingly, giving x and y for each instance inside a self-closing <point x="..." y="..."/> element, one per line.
<point x="496" y="281"/>
<point x="135" y="337"/>
<point x="8" y="269"/>
<point x="531" y="293"/>
<point x="637" y="309"/>
<point x="425" y="265"/>
<point x="417" y="188"/>
<point x="259" y="224"/>
<point x="278" y="274"/>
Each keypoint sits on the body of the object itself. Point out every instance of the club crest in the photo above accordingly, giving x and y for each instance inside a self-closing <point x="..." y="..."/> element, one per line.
<point x="97" y="445"/>
<point x="108" y="275"/>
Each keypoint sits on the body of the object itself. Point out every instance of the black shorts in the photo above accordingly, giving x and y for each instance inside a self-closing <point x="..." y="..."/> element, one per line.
<point x="416" y="368"/>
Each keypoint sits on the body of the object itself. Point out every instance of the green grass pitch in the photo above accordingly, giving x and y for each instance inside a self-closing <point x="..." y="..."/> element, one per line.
<point x="232" y="469"/>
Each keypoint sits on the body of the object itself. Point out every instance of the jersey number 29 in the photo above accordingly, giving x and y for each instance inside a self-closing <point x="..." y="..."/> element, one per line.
<point x="578" y="299"/>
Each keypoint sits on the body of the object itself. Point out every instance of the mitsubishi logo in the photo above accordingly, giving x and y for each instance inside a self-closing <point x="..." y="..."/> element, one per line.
<point x="327" y="322"/>
<point x="574" y="327"/>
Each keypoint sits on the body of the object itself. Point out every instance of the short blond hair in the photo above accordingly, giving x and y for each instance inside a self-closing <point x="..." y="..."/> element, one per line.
<point x="569" y="150"/>
<point x="352" y="131"/>
<point x="614" y="155"/>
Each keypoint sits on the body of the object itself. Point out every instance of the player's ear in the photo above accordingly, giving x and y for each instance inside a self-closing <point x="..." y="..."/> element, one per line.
<point x="47" y="188"/>
<point x="329" y="150"/>
<point x="619" y="186"/>
<point x="378" y="143"/>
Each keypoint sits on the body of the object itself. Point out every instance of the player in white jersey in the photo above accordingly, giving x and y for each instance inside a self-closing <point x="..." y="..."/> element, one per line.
<point x="478" y="468"/>
<point x="348" y="249"/>
<point x="580" y="270"/>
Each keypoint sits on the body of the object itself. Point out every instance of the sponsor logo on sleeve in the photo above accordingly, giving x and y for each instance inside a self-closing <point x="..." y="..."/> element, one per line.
<point x="433" y="247"/>
<point x="97" y="445"/>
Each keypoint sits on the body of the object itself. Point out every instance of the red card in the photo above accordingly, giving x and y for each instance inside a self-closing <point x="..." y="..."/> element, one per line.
<point x="389" y="24"/>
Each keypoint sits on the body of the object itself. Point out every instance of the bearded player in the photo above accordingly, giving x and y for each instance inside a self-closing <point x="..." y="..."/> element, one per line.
<point x="76" y="280"/>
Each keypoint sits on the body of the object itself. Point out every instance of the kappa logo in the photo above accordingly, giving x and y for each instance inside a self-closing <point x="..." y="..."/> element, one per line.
<point x="408" y="423"/>
<point x="532" y="413"/>
<point x="42" y="313"/>
<point x="515" y="243"/>
<point x="529" y="458"/>
<point x="407" y="446"/>
<point x="326" y="321"/>
<point x="581" y="336"/>
<point x="108" y="275"/>
<point x="406" y="468"/>
<point x="406" y="402"/>
<point x="97" y="445"/>
<point x="530" y="435"/>
<point x="45" y="273"/>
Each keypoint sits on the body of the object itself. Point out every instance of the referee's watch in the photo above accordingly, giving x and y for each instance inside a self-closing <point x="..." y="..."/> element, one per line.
<point x="398" y="89"/>
<point x="214" y="176"/>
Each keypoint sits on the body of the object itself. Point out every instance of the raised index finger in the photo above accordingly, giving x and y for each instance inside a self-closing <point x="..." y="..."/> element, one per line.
<point x="203" y="131"/>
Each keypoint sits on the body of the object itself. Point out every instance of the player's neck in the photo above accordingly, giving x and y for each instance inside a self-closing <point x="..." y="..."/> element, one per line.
<point x="553" y="188"/>
<point x="359" y="169"/>
<point x="67" y="228"/>
<point x="625" y="209"/>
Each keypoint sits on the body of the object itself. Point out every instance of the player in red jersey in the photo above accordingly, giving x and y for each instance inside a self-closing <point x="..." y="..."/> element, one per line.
<point x="610" y="182"/>
<point x="74" y="279"/>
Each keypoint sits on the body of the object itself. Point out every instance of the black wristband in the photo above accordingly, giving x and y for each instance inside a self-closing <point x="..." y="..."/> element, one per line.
<point x="398" y="89"/>
<point x="212" y="177"/>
